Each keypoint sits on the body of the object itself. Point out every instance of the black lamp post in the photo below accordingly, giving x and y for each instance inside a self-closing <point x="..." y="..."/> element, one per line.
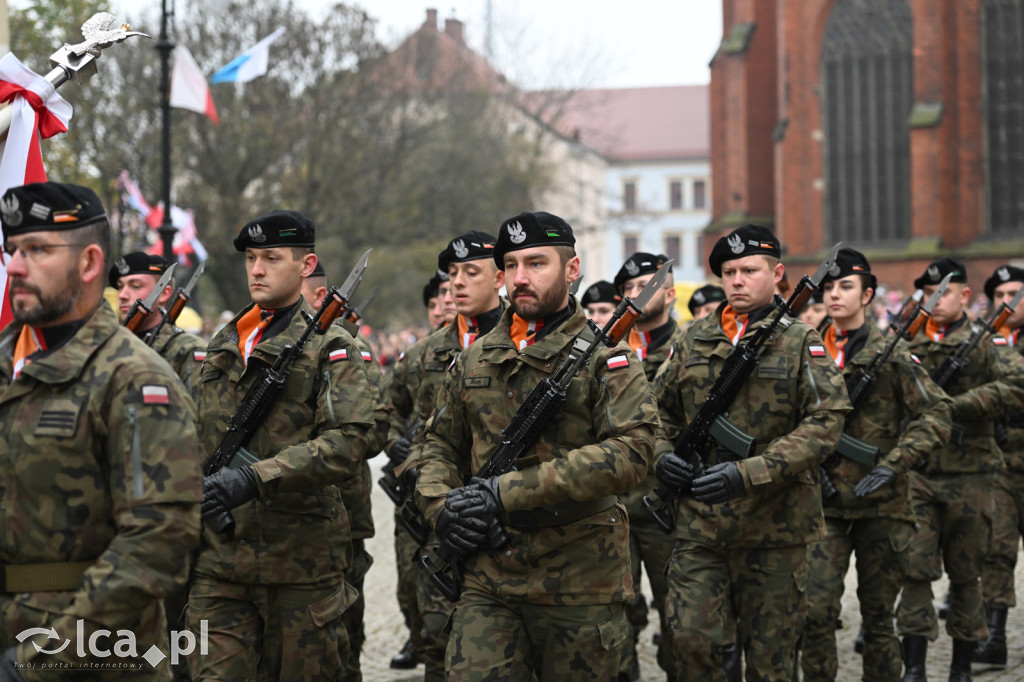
<point x="165" y="46"/>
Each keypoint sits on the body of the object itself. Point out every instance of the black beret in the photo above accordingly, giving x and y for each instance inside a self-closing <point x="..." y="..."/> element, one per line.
<point x="746" y="240"/>
<point x="939" y="269"/>
<point x="433" y="288"/>
<point x="277" y="228"/>
<point x="48" y="206"/>
<point x="1002" y="275"/>
<point x="850" y="262"/>
<point x="601" y="292"/>
<point x="136" y="263"/>
<point x="527" y="230"/>
<point x="709" y="293"/>
<point x="638" y="264"/>
<point x="318" y="271"/>
<point x="473" y="245"/>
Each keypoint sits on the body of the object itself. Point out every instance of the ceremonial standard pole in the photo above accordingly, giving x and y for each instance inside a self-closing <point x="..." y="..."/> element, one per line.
<point x="164" y="46"/>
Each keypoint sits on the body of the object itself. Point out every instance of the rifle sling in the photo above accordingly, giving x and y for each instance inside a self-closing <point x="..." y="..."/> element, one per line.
<point x="559" y="514"/>
<point x="51" y="577"/>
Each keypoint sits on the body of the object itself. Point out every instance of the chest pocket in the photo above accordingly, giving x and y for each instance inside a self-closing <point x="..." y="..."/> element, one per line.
<point x="58" y="419"/>
<point x="775" y="367"/>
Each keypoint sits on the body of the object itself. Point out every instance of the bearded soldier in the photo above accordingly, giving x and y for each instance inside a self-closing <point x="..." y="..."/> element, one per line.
<point x="547" y="603"/>
<point x="100" y="483"/>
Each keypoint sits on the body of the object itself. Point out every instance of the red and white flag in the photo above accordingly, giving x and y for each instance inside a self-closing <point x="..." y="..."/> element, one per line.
<point x="36" y="111"/>
<point x="189" y="89"/>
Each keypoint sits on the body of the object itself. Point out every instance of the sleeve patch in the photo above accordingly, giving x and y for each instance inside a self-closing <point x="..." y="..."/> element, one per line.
<point x="367" y="355"/>
<point x="915" y="358"/>
<point x="199" y="355"/>
<point x="155" y="395"/>
<point x="336" y="355"/>
<point x="999" y="340"/>
<point x="816" y="351"/>
<point x="618" y="361"/>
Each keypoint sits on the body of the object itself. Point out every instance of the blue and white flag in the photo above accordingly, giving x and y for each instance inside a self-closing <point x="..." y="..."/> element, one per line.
<point x="250" y="64"/>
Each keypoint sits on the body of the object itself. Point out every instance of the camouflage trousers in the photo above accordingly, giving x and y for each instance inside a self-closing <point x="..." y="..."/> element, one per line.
<point x="953" y="530"/>
<point x="494" y="640"/>
<point x="435" y="611"/>
<point x="881" y="547"/>
<point x="352" y="618"/>
<point x="715" y="593"/>
<point x="269" y="632"/>
<point x="1007" y="527"/>
<point x="650" y="546"/>
<point x="407" y="554"/>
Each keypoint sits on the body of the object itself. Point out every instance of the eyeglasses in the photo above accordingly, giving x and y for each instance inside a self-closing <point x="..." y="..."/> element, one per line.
<point x="35" y="251"/>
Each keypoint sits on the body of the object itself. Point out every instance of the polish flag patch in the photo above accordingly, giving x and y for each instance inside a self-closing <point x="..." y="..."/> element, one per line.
<point x="915" y="358"/>
<point x="817" y="351"/>
<point x="999" y="340"/>
<point x="155" y="395"/>
<point x="618" y="361"/>
<point x="199" y="355"/>
<point x="367" y="355"/>
<point x="336" y="355"/>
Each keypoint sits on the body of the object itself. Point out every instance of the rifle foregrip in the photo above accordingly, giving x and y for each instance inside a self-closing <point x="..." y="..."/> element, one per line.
<point x="1000" y="319"/>
<point x="915" y="326"/>
<point x="800" y="299"/>
<point x="175" y="311"/>
<point x="622" y="326"/>
<point x="332" y="312"/>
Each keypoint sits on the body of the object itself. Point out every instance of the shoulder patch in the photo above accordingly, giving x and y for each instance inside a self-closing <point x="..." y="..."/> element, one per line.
<point x="367" y="355"/>
<point x="915" y="358"/>
<point x="155" y="394"/>
<point x="817" y="351"/>
<point x="336" y="355"/>
<point x="199" y="355"/>
<point x="999" y="340"/>
<point x="618" y="362"/>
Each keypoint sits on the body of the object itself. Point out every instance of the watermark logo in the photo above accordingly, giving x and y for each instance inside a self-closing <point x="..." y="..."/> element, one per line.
<point x="100" y="645"/>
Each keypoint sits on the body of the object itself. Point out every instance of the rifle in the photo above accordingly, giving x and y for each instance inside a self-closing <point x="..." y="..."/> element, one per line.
<point x="864" y="379"/>
<point x="140" y="310"/>
<point x="909" y="304"/>
<point x="268" y="385"/>
<point x="545" y="400"/>
<point x="710" y="421"/>
<point x="180" y="298"/>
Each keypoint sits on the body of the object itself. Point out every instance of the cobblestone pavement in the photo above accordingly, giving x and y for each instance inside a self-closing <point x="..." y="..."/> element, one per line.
<point x="385" y="631"/>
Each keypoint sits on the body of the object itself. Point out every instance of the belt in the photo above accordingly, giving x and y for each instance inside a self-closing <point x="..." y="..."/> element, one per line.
<point x="54" y="577"/>
<point x="559" y="514"/>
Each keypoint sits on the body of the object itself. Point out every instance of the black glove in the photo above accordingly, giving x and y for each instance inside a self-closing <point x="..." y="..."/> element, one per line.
<point x="465" y="535"/>
<point x="8" y="673"/>
<point x="399" y="450"/>
<point x="674" y="471"/>
<point x="228" y="488"/>
<point x="720" y="483"/>
<point x="875" y="479"/>
<point x="828" y="488"/>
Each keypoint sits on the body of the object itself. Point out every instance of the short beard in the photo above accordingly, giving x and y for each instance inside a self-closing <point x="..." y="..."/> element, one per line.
<point x="49" y="309"/>
<point x="551" y="301"/>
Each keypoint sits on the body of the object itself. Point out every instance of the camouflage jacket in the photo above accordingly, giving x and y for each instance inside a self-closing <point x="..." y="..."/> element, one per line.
<point x="1013" y="448"/>
<point x="989" y="386"/>
<point x="794" y="404"/>
<point x="314" y="438"/>
<point x="402" y="386"/>
<point x="184" y="352"/>
<point x="600" y="444"/>
<point x="99" y="441"/>
<point x="634" y="499"/>
<point x="902" y="392"/>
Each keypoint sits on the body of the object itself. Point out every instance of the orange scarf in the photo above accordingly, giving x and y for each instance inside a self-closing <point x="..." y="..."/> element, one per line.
<point x="639" y="341"/>
<point x="935" y="331"/>
<point x="1011" y="335"/>
<point x="250" y="330"/>
<point x="468" y="330"/>
<point x="29" y="341"/>
<point x="835" y="341"/>
<point x="523" y="332"/>
<point x="733" y="324"/>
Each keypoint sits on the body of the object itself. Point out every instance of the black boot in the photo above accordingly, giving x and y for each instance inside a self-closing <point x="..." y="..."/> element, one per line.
<point x="858" y="642"/>
<point x="915" y="653"/>
<point x="944" y="609"/>
<point x="731" y="663"/>
<point x="993" y="649"/>
<point x="960" y="668"/>
<point x="405" y="659"/>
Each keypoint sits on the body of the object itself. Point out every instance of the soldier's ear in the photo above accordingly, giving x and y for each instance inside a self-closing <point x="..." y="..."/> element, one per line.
<point x="90" y="263"/>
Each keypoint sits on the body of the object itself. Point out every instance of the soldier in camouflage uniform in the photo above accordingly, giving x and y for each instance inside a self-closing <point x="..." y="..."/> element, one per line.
<point x="652" y="339"/>
<point x="547" y="602"/>
<point x="1008" y="494"/>
<point x="355" y="491"/>
<point x="705" y="300"/>
<point x="101" y="483"/>
<point x="740" y="560"/>
<point x="402" y="386"/>
<point x="867" y="505"/>
<point x="134" y="275"/>
<point x="474" y="282"/>
<point x="272" y="590"/>
<point x="952" y="496"/>
<point x="600" y="300"/>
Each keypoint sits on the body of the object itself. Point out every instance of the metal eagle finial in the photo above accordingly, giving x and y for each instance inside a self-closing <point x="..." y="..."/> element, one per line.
<point x="100" y="31"/>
